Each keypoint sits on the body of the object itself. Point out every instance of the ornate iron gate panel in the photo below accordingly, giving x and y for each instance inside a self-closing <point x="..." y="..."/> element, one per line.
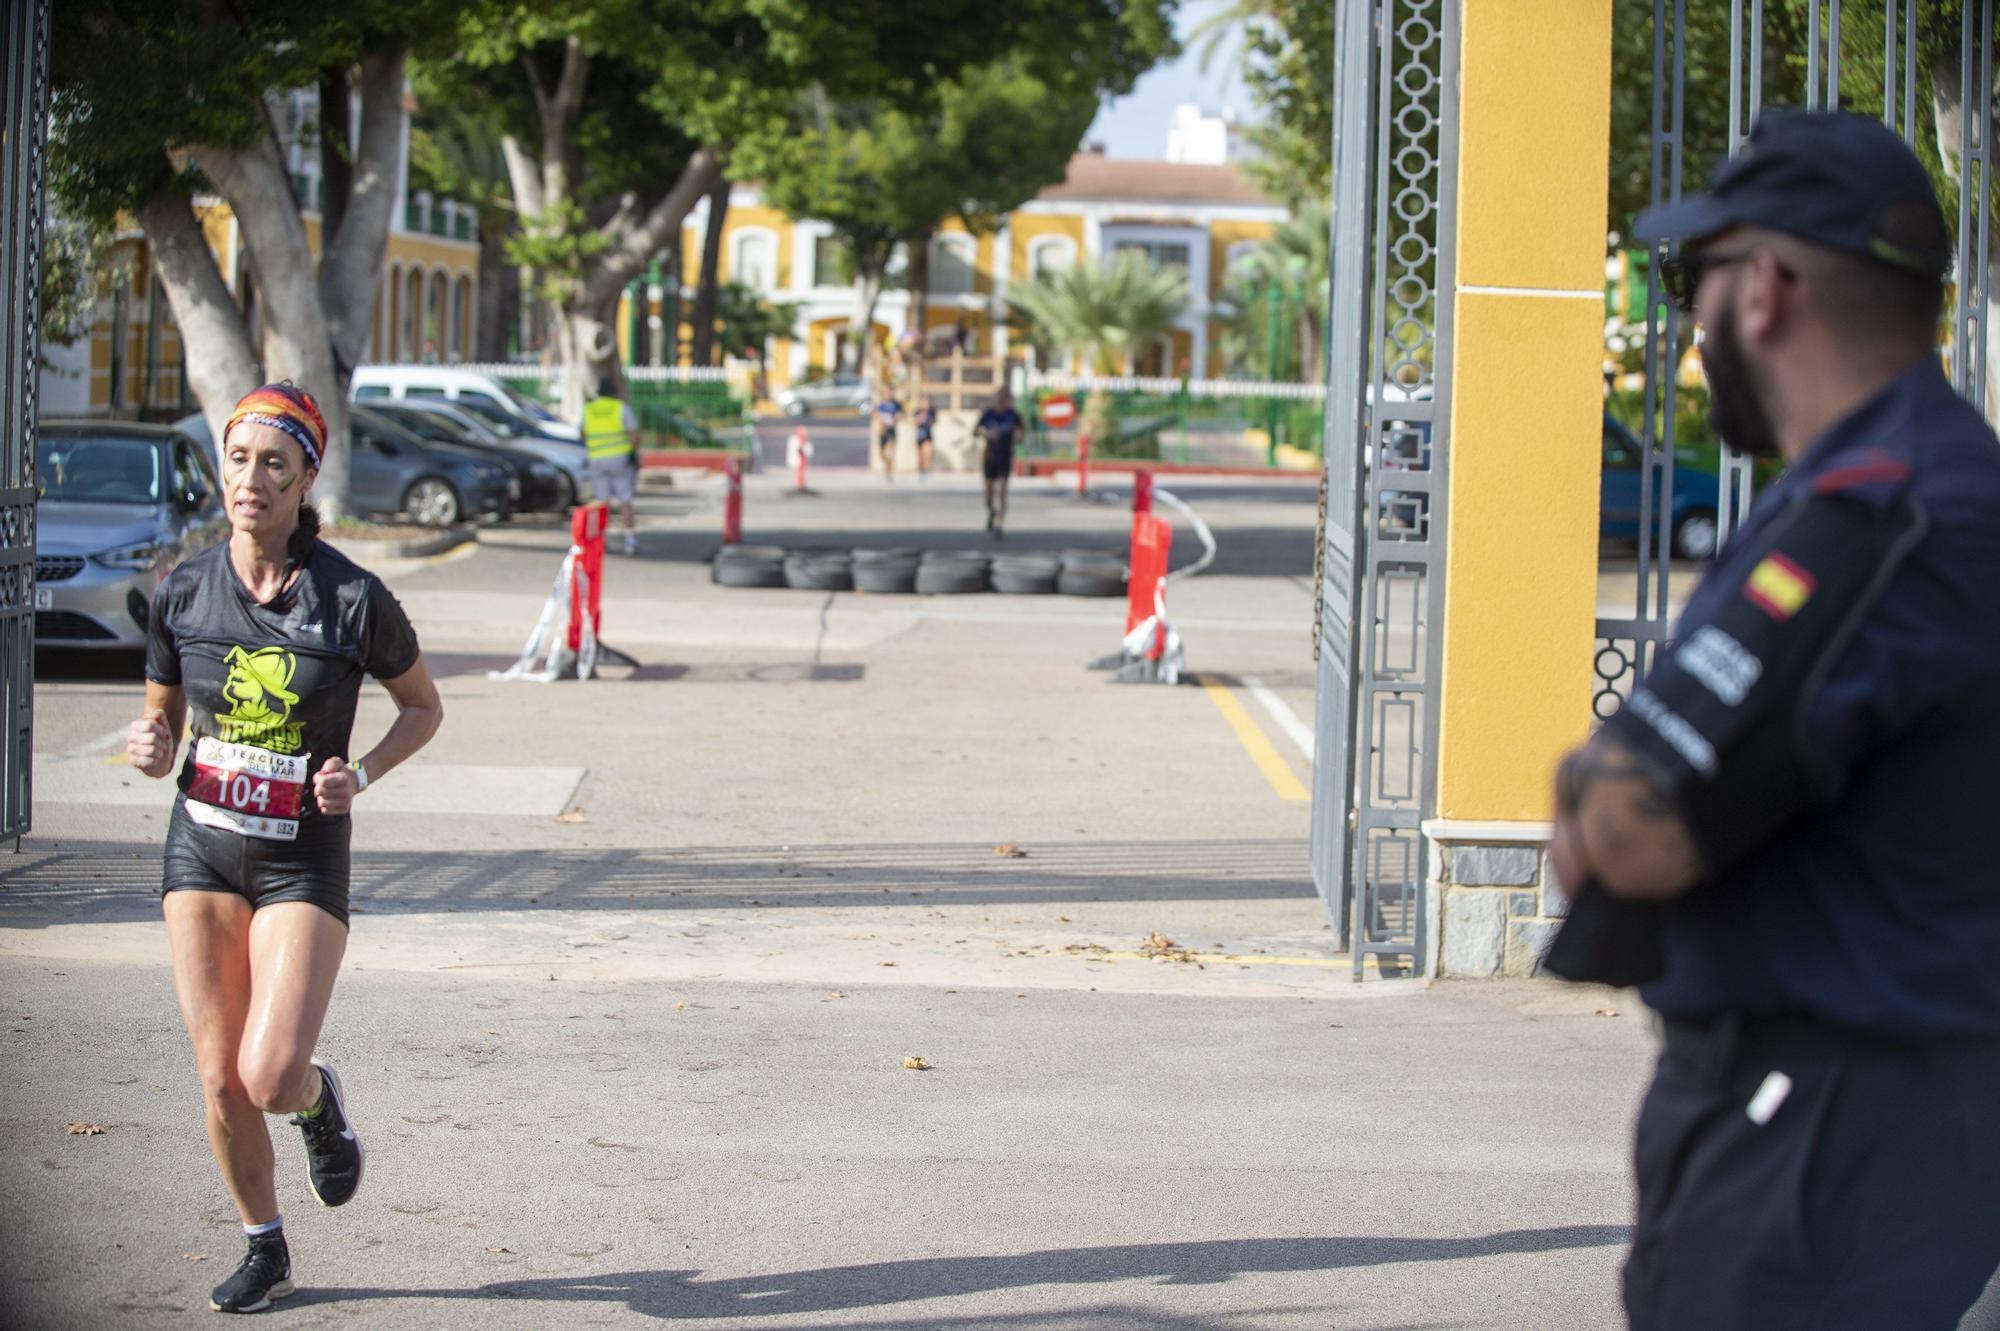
<point x="1388" y="408"/>
<point x="1835" y="41"/>
<point x="24" y="97"/>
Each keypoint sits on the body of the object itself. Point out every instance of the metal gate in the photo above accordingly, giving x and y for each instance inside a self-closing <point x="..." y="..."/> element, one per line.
<point x="1381" y="557"/>
<point x="24" y="99"/>
<point x="1868" y="58"/>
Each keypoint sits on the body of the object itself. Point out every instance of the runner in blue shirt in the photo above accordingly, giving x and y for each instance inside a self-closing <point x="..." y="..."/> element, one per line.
<point x="887" y="411"/>
<point x="999" y="425"/>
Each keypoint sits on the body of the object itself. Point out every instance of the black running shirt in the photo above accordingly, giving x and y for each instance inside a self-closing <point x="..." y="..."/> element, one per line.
<point x="271" y="688"/>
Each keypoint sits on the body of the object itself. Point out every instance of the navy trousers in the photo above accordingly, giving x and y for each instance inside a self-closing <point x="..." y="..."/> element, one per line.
<point x="1868" y="1197"/>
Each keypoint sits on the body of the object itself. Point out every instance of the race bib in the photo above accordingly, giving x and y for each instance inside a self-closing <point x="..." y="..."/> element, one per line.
<point x="248" y="790"/>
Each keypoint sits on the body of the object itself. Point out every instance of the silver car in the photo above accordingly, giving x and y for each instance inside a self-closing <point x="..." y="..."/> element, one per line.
<point x="835" y="391"/>
<point x="119" y="505"/>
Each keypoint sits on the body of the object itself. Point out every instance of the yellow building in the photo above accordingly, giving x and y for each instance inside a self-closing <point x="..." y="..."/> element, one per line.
<point x="1196" y="217"/>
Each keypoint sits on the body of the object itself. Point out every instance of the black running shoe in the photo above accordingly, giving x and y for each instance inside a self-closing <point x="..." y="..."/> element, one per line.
<point x="266" y="1274"/>
<point x="333" y="1154"/>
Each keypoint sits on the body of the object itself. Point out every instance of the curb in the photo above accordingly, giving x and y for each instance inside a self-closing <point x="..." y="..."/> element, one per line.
<point x="421" y="547"/>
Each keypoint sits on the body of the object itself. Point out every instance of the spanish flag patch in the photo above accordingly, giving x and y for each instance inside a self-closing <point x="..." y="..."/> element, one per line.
<point x="1779" y="587"/>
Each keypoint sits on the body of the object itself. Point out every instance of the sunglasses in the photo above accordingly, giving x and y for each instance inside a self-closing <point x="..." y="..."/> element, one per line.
<point x="1681" y="274"/>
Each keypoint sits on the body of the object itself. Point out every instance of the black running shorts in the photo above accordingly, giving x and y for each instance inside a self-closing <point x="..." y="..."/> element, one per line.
<point x="313" y="868"/>
<point x="999" y="463"/>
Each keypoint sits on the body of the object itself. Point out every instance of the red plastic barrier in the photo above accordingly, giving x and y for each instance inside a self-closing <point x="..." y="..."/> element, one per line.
<point x="1142" y="492"/>
<point x="732" y="504"/>
<point x="1152" y="543"/>
<point x="587" y="524"/>
<point x="1082" y="464"/>
<point x="801" y="449"/>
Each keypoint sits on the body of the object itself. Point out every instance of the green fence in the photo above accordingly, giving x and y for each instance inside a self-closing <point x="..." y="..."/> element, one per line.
<point x="1189" y="425"/>
<point x="672" y="413"/>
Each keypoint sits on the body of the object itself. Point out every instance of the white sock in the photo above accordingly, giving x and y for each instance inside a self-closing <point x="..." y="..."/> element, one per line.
<point x="270" y="1227"/>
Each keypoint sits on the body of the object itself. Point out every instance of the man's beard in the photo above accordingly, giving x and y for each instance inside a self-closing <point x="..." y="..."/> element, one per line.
<point x="1734" y="408"/>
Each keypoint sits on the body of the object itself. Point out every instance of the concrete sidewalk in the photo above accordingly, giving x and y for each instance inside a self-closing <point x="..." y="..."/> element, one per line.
<point x="636" y="964"/>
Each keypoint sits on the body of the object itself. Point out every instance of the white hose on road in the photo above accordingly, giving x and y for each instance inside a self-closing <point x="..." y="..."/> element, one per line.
<point x="1180" y="505"/>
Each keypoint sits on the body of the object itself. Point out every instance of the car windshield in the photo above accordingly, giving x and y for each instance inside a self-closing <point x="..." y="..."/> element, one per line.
<point x="527" y="406"/>
<point x="98" y="469"/>
<point x="386" y="429"/>
<point x="493" y="414"/>
<point x="431" y="425"/>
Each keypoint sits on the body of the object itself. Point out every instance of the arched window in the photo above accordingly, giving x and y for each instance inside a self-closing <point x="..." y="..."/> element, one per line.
<point x="755" y="262"/>
<point x="954" y="259"/>
<point x="413" y="315"/>
<point x="1051" y="254"/>
<point x="392" y="339"/>
<point x="436" y="311"/>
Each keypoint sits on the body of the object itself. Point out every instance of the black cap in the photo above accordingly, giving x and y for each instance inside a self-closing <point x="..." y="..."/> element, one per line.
<point x="1829" y="177"/>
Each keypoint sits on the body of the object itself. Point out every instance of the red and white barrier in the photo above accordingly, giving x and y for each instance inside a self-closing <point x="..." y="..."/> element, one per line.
<point x="577" y="604"/>
<point x="798" y="449"/>
<point x="732" y="502"/>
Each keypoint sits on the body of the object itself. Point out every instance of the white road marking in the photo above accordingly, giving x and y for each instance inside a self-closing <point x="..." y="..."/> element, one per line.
<point x="1287" y="720"/>
<point x="423" y="788"/>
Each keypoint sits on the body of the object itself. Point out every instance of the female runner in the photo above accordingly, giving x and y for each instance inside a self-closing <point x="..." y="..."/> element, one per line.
<point x="258" y="646"/>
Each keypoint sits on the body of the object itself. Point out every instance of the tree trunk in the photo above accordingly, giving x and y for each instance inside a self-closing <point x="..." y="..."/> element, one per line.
<point x="221" y="364"/>
<point x="499" y="290"/>
<point x="297" y="341"/>
<point x="336" y="164"/>
<point x="588" y="335"/>
<point x="867" y="293"/>
<point x="702" y="335"/>
<point x="920" y="290"/>
<point x="352" y="258"/>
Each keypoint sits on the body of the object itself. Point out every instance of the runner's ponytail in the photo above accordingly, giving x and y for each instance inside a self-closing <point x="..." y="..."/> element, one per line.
<point x="299" y="548"/>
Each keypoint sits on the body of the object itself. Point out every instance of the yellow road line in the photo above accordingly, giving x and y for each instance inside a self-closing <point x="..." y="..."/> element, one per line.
<point x="1268" y="761"/>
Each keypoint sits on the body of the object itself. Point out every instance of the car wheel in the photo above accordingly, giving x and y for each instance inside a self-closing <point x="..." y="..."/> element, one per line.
<point x="1696" y="535"/>
<point x="797" y="410"/>
<point x="431" y="502"/>
<point x="566" y="495"/>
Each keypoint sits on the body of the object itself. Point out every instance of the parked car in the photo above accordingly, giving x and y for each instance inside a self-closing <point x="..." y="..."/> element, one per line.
<point x="825" y="392"/>
<point x="383" y="381"/>
<point x="567" y="456"/>
<point x="544" y="489"/>
<point x="392" y="470"/>
<point x="1692" y="505"/>
<point x="117" y="507"/>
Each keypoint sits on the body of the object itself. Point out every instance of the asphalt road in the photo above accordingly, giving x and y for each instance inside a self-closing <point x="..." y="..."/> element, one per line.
<point x="636" y="963"/>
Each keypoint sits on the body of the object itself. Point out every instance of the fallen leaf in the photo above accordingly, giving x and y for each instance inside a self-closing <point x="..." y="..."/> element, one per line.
<point x="1607" y="1012"/>
<point x="681" y="1006"/>
<point x="885" y="963"/>
<point x="1162" y="948"/>
<point x="573" y="816"/>
<point x="915" y="1064"/>
<point x="505" y="1250"/>
<point x="83" y="1130"/>
<point x="194" y="1256"/>
<point x="1063" y="918"/>
<point x="833" y="995"/>
<point x="1007" y="850"/>
<point x="1093" y="948"/>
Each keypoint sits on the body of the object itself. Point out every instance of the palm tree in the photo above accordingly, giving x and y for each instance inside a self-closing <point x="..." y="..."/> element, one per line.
<point x="1293" y="268"/>
<point x="1103" y="313"/>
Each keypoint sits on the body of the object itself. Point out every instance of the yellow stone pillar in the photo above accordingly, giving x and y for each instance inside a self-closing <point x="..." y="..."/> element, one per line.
<point x="1526" y="403"/>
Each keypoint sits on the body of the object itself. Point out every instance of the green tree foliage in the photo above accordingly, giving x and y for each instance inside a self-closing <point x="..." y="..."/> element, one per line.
<point x="1102" y="312"/>
<point x="746" y="322"/>
<point x="1285" y="55"/>
<point x="1277" y="301"/>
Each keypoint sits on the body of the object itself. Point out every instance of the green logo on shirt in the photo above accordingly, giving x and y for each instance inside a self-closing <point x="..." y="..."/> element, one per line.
<point x="260" y="700"/>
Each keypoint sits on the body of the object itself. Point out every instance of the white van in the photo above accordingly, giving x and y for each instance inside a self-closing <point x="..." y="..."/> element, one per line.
<point x="455" y="385"/>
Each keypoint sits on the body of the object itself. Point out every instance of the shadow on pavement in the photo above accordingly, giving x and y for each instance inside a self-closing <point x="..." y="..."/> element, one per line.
<point x="683" y="1295"/>
<point x="100" y="882"/>
<point x="458" y="665"/>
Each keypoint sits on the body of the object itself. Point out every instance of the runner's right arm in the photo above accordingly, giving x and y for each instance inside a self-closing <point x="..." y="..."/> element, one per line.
<point x="154" y="739"/>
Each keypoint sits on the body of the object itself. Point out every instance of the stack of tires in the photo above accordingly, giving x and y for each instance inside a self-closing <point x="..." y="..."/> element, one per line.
<point x="886" y="570"/>
<point x="1025" y="575"/>
<point x="749" y="566"/>
<point x="951" y="572"/>
<point x="1091" y="573"/>
<point x="820" y="570"/>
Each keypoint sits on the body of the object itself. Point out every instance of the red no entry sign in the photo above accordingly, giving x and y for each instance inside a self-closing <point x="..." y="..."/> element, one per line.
<point x="1059" y="411"/>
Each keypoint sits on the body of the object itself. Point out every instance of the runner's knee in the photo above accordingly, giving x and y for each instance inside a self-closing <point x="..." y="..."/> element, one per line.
<point x="271" y="1080"/>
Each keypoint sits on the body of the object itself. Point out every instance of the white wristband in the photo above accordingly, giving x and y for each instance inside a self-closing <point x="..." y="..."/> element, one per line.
<point x="360" y="778"/>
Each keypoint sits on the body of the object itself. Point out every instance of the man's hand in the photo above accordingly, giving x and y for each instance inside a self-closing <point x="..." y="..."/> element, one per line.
<point x="1614" y="826"/>
<point x="149" y="745"/>
<point x="335" y="787"/>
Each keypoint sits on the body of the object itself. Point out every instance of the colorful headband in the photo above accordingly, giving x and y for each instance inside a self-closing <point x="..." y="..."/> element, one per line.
<point x="284" y="407"/>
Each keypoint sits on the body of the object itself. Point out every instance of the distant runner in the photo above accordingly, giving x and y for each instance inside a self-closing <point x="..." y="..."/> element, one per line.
<point x="925" y="420"/>
<point x="887" y="412"/>
<point x="260" y="643"/>
<point x="999" y="425"/>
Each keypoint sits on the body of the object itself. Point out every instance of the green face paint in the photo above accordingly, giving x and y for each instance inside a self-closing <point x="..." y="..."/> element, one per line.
<point x="285" y="486"/>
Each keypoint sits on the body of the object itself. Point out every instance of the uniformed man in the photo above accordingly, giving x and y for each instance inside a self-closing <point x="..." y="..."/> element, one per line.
<point x="1808" y="782"/>
<point x="610" y="432"/>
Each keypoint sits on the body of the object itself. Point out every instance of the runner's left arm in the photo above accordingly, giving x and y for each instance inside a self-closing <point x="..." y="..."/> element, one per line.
<point x="419" y="712"/>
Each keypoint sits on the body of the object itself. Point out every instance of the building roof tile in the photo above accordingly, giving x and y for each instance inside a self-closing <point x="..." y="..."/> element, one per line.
<point x="1094" y="177"/>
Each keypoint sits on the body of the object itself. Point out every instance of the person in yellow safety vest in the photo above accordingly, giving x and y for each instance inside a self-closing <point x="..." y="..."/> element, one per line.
<point x="610" y="432"/>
